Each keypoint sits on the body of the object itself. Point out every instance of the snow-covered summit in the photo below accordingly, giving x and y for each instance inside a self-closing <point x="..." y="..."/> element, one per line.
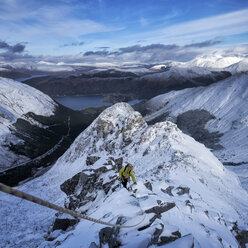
<point x="183" y="192"/>
<point x="239" y="67"/>
<point x="217" y="61"/>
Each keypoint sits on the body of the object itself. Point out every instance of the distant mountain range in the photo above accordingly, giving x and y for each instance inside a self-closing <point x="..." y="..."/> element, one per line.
<point x="127" y="83"/>
<point x="130" y="81"/>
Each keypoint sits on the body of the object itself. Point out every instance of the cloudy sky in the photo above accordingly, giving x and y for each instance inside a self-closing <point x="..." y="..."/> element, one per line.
<point x="112" y="30"/>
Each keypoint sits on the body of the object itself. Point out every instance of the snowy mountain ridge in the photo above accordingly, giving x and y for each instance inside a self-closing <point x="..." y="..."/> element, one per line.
<point x="217" y="61"/>
<point x="215" y="115"/>
<point x="239" y="67"/>
<point x="181" y="72"/>
<point x="16" y="100"/>
<point x="187" y="195"/>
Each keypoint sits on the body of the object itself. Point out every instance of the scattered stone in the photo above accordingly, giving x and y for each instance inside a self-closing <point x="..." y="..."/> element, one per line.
<point x="168" y="190"/>
<point x="158" y="210"/>
<point x="156" y="234"/>
<point x="64" y="224"/>
<point x="190" y="204"/>
<point x="109" y="235"/>
<point x="148" y="185"/>
<point x="182" y="190"/>
<point x="177" y="234"/>
<point x="91" y="160"/>
<point x="165" y="240"/>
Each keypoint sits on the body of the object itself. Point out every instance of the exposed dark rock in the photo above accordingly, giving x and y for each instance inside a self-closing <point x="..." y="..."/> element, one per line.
<point x="116" y="163"/>
<point x="109" y="235"/>
<point x="107" y="186"/>
<point x="156" y="234"/>
<point x="63" y="224"/>
<point x="158" y="210"/>
<point x="190" y="204"/>
<point x="182" y="190"/>
<point x="91" y="160"/>
<point x="146" y="151"/>
<point x="234" y="164"/>
<point x="69" y="186"/>
<point x="148" y="185"/>
<point x="84" y="186"/>
<point x="193" y="123"/>
<point x="165" y="240"/>
<point x="177" y="234"/>
<point x="242" y="238"/>
<point x="168" y="190"/>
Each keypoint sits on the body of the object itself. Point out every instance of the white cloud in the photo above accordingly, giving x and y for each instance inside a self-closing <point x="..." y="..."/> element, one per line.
<point x="206" y="28"/>
<point x="33" y="22"/>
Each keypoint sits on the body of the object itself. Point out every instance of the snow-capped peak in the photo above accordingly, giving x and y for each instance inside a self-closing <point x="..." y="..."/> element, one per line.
<point x="217" y="61"/>
<point x="239" y="67"/>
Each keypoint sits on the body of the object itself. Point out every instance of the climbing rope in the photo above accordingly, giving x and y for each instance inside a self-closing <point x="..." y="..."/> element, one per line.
<point x="20" y="194"/>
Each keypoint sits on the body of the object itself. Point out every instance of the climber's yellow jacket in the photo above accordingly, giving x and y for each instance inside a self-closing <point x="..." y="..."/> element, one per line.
<point x="126" y="172"/>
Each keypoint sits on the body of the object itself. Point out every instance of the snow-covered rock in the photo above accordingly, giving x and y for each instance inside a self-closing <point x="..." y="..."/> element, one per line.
<point x="184" y="194"/>
<point x="158" y="67"/>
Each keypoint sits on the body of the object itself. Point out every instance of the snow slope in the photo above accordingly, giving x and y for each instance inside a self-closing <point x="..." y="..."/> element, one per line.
<point x="226" y="101"/>
<point x="183" y="192"/>
<point x="16" y="100"/>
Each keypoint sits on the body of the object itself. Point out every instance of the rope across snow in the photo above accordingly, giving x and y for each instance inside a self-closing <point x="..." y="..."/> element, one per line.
<point x="20" y="194"/>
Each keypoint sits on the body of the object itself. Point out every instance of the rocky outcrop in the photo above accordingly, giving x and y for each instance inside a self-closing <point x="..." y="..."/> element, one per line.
<point x="86" y="186"/>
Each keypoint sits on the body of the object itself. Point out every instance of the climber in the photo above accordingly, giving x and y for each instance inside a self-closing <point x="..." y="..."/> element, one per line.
<point x="125" y="173"/>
